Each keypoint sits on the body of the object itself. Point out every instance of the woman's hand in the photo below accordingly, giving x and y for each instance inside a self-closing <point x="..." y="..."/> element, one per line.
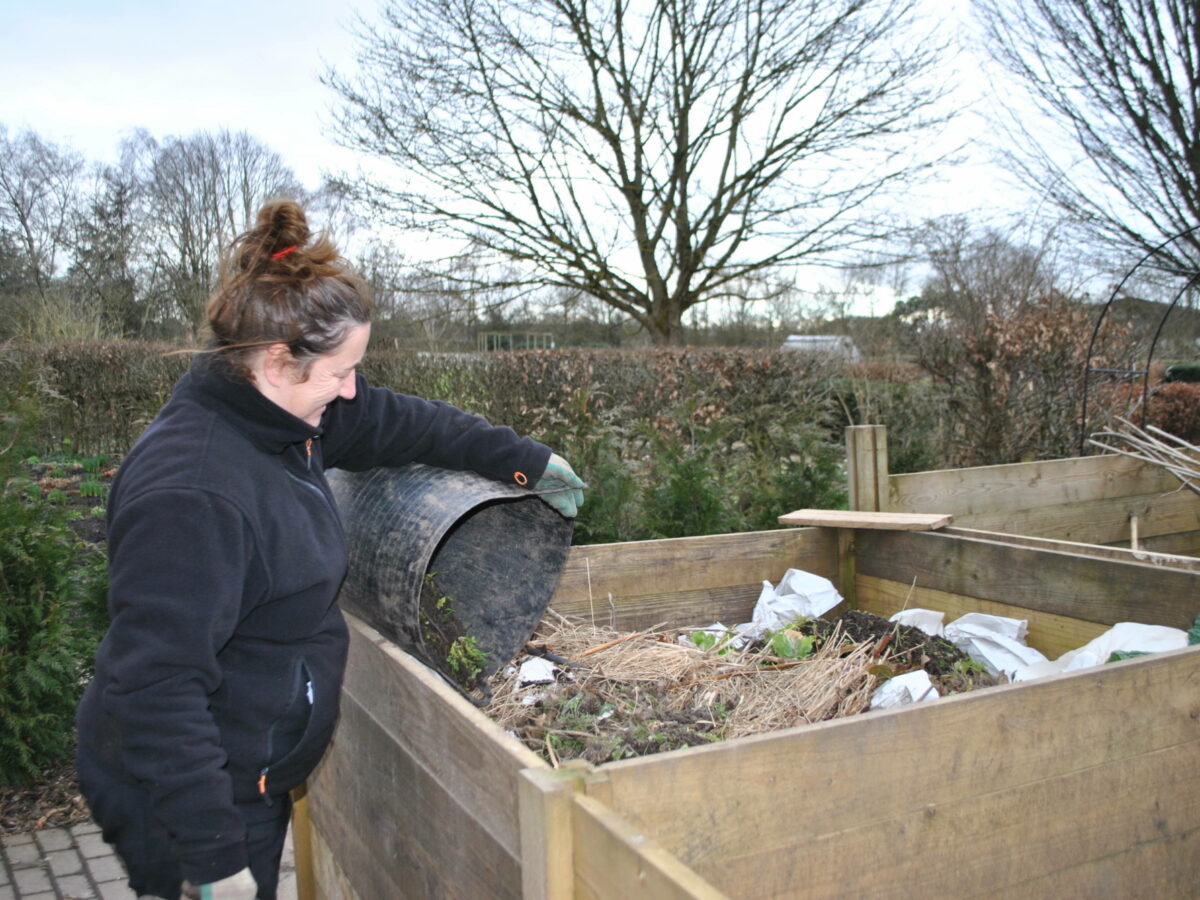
<point x="561" y="487"/>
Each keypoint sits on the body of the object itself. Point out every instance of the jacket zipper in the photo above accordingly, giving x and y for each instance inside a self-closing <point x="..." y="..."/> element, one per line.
<point x="308" y="454"/>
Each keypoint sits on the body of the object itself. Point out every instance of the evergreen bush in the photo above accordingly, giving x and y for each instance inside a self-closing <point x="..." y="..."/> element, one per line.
<point x="51" y="614"/>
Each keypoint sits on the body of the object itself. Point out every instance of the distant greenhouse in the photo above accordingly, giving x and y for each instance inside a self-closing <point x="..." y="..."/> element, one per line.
<point x="834" y="346"/>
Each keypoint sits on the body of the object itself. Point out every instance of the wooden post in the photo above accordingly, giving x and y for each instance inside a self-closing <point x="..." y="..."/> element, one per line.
<point x="547" y="844"/>
<point x="867" y="468"/>
<point x="306" y="885"/>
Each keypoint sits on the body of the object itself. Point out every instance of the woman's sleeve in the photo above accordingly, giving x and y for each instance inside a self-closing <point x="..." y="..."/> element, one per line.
<point x="178" y="563"/>
<point x="382" y="428"/>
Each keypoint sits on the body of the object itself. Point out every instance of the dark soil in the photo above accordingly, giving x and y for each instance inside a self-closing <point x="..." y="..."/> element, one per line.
<point x="950" y="670"/>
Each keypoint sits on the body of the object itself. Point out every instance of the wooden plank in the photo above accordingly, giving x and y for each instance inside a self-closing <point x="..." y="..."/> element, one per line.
<point x="615" y="861"/>
<point x="1098" y="754"/>
<point x="547" y="863"/>
<point x="1124" y="554"/>
<point x="1066" y="584"/>
<point x="1165" y="869"/>
<point x="884" y="521"/>
<point x="733" y="603"/>
<point x="1103" y="521"/>
<point x="400" y="833"/>
<point x="683" y="580"/>
<point x="331" y="880"/>
<point x="1023" y="486"/>
<point x="867" y="467"/>
<point x="406" y="737"/>
<point x="993" y="840"/>
<point x="1051" y="634"/>
<point x="302" y="847"/>
<point x="1181" y="544"/>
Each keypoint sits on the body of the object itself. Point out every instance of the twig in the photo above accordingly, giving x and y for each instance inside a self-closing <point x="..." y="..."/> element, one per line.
<point x="622" y="639"/>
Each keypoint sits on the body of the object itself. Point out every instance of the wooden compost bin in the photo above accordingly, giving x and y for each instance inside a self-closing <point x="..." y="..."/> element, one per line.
<point x="1077" y="785"/>
<point x="1107" y="504"/>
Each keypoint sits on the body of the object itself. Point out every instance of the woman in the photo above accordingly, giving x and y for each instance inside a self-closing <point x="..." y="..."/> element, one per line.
<point x="216" y="687"/>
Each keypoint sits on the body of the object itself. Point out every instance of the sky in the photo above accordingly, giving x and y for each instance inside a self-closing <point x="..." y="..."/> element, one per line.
<point x="86" y="73"/>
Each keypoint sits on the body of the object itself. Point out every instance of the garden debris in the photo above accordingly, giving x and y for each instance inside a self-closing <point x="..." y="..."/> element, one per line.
<point x="631" y="694"/>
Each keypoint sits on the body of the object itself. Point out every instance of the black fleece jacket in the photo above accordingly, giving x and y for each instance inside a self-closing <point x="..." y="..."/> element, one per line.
<point x="218" y="680"/>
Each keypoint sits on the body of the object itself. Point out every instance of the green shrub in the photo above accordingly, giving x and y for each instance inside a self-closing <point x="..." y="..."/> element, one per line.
<point x="51" y="616"/>
<point x="683" y="495"/>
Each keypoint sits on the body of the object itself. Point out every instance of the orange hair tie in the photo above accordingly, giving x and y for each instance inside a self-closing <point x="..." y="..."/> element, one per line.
<point x="284" y="252"/>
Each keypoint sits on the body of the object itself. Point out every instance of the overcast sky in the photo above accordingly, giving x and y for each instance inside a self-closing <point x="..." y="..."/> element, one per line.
<point x="85" y="73"/>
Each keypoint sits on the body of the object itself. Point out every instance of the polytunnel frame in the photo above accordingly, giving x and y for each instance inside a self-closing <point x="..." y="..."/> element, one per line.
<point x="1088" y="370"/>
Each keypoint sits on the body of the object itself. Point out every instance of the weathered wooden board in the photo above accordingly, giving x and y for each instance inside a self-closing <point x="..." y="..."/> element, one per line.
<point x="614" y="860"/>
<point x="981" y="793"/>
<point x="884" y="521"/>
<point x="1066" y="584"/>
<point x="1161" y="558"/>
<point x="1185" y="544"/>
<point x="686" y="581"/>
<point x="1022" y="486"/>
<point x="1102" y="521"/>
<point x="434" y="777"/>
<point x="1053" y="635"/>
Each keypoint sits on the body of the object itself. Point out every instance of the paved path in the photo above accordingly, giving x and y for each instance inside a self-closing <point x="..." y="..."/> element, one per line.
<point x="75" y="864"/>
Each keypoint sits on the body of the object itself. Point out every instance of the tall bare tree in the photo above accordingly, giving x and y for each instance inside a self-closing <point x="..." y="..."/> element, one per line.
<point x="201" y="191"/>
<point x="37" y="197"/>
<point x="652" y="153"/>
<point x="1119" y="83"/>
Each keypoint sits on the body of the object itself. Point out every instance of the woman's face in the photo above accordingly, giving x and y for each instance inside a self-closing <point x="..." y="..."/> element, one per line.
<point x="329" y="377"/>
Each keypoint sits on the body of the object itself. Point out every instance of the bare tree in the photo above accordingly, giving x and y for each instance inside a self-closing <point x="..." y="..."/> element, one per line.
<point x="1119" y="83"/>
<point x="200" y="192"/>
<point x="650" y="154"/>
<point x="1004" y="334"/>
<point x="37" y="197"/>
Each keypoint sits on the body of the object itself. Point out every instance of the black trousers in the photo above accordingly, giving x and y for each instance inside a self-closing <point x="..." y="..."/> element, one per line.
<point x="128" y="823"/>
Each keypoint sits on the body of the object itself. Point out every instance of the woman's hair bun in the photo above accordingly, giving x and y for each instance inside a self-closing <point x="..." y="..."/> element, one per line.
<point x="282" y="224"/>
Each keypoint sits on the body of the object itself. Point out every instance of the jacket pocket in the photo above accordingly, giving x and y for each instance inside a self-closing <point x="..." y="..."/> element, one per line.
<point x="287" y="730"/>
<point x="296" y="740"/>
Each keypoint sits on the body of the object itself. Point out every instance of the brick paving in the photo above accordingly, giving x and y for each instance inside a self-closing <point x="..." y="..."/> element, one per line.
<point x="74" y="863"/>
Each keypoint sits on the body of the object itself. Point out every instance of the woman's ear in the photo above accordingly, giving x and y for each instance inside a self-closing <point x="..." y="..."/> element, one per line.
<point x="277" y="365"/>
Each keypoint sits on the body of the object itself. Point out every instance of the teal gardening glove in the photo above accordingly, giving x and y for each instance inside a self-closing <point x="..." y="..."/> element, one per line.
<point x="561" y="487"/>
<point x="239" y="886"/>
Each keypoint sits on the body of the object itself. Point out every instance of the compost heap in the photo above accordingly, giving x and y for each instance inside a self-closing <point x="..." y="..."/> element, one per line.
<point x="612" y="695"/>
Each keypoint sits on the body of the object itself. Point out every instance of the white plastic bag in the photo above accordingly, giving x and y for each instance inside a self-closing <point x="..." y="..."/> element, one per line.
<point x="928" y="620"/>
<point x="995" y="642"/>
<point x="911" y="687"/>
<point x="799" y="594"/>
<point x="1127" y="637"/>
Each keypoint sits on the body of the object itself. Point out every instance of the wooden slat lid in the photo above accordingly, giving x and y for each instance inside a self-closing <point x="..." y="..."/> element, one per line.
<point x="887" y="521"/>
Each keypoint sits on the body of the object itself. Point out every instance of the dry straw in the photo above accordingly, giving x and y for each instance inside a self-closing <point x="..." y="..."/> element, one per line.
<point x="757" y="692"/>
